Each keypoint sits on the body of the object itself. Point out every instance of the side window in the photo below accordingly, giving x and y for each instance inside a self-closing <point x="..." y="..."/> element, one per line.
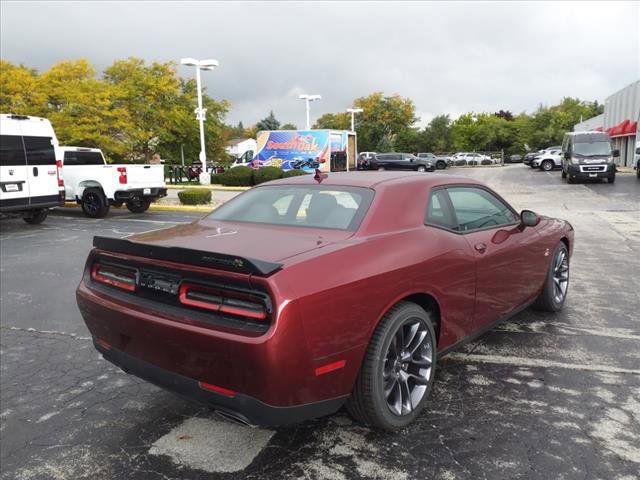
<point x="439" y="212"/>
<point x="476" y="208"/>
<point x="11" y="151"/>
<point x="39" y="151"/>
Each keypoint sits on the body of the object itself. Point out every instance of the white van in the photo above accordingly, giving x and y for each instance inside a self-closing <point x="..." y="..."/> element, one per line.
<point x="30" y="175"/>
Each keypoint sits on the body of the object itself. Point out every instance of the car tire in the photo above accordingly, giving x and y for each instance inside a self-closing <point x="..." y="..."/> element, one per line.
<point x="138" y="205"/>
<point x="369" y="403"/>
<point x="441" y="165"/>
<point x="556" y="285"/>
<point x="36" y="217"/>
<point x="547" y="165"/>
<point x="94" y="204"/>
<point x="422" y="168"/>
<point x="638" y="171"/>
<point x="570" y="179"/>
<point x="612" y="178"/>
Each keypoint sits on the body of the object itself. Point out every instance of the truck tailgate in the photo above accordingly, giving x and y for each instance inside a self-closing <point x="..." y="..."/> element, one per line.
<point x="144" y="176"/>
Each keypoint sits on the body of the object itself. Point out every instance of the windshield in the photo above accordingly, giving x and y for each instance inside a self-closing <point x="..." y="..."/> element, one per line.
<point x="592" y="149"/>
<point x="314" y="206"/>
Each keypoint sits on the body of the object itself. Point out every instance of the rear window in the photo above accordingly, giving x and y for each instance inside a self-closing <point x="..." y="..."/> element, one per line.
<point x="82" y="158"/>
<point x="313" y="206"/>
<point x="39" y="151"/>
<point x="11" y="151"/>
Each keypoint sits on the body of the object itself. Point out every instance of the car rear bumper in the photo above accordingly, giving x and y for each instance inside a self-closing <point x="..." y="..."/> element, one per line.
<point x="239" y="406"/>
<point x="271" y="372"/>
<point x="155" y="192"/>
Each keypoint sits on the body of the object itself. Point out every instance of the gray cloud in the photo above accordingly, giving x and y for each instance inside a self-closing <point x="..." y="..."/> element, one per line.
<point x="448" y="57"/>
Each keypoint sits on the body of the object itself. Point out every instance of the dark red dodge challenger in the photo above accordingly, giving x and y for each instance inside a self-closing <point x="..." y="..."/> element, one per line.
<point x="304" y="294"/>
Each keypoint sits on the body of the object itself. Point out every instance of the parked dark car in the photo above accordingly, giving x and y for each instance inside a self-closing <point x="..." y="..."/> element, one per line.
<point x="364" y="158"/>
<point x="306" y="293"/>
<point x="514" y="159"/>
<point x="401" y="161"/>
<point x="528" y="158"/>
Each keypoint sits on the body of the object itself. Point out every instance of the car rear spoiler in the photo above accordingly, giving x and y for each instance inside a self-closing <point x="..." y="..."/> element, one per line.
<point x="189" y="256"/>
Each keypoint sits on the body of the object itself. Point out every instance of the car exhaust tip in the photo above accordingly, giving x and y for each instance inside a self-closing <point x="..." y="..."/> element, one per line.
<point x="234" y="418"/>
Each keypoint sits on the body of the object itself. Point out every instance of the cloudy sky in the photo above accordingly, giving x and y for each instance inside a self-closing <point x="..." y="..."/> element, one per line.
<point x="449" y="57"/>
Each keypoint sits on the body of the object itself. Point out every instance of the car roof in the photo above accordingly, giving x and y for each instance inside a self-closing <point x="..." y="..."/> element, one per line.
<point x="69" y="148"/>
<point x="376" y="180"/>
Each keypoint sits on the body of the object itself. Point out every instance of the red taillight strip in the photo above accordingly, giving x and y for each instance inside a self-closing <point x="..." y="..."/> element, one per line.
<point x="216" y="307"/>
<point x="59" y="172"/>
<point x="215" y="388"/>
<point x="330" y="367"/>
<point x="103" y="344"/>
<point x="98" y="277"/>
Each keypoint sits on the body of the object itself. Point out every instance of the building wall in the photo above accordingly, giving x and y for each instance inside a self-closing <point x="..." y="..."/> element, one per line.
<point x="622" y="105"/>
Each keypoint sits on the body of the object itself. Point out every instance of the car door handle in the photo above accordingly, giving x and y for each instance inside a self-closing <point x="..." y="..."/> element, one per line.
<point x="35" y="171"/>
<point x="481" y="247"/>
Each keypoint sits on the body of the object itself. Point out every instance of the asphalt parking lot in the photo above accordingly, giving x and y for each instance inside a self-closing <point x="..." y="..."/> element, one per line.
<point x="542" y="396"/>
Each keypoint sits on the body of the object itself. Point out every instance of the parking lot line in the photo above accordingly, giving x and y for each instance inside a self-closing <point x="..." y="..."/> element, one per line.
<point x="536" y="362"/>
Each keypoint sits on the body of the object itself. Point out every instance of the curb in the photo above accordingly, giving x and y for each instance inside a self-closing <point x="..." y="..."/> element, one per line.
<point x="167" y="208"/>
<point x="209" y="187"/>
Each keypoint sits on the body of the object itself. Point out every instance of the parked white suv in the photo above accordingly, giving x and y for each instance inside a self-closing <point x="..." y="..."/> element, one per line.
<point x="30" y="176"/>
<point x="96" y="184"/>
<point x="471" y="158"/>
<point x="548" y="160"/>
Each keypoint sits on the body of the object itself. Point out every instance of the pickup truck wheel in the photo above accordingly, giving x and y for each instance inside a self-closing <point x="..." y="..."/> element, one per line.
<point x="36" y="217"/>
<point x="397" y="372"/>
<point x="440" y="165"/>
<point x="612" y="178"/>
<point x="94" y="203"/>
<point x="138" y="205"/>
<point x="547" y="165"/>
<point x="422" y="168"/>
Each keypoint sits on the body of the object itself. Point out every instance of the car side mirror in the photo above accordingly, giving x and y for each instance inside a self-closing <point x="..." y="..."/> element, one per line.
<point x="616" y="152"/>
<point x="529" y="218"/>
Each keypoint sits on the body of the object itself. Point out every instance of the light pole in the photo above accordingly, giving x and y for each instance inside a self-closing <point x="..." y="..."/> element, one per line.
<point x="208" y="64"/>
<point x="353" y="112"/>
<point x="309" y="98"/>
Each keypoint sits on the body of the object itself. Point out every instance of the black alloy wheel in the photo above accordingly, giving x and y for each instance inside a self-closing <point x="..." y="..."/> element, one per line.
<point x="94" y="204"/>
<point x="397" y="373"/>
<point x="556" y="285"/>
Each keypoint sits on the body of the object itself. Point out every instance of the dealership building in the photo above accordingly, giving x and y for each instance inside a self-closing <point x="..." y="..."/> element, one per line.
<point x="620" y="120"/>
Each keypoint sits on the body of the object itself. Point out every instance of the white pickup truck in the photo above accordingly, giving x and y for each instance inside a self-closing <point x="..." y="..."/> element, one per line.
<point x="96" y="185"/>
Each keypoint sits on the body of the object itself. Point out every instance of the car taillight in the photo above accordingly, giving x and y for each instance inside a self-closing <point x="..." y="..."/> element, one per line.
<point x="59" y="169"/>
<point x="123" y="175"/>
<point x="123" y="278"/>
<point x="223" y="301"/>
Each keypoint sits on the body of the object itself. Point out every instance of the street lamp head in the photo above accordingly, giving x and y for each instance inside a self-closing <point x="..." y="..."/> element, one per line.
<point x="208" y="64"/>
<point x="311" y="98"/>
<point x="191" y="62"/>
<point x="355" y="110"/>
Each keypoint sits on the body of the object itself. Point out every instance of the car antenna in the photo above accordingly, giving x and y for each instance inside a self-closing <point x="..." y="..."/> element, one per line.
<point x="319" y="176"/>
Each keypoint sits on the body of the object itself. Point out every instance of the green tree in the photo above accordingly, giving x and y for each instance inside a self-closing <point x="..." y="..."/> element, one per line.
<point x="436" y="137"/>
<point x="270" y="122"/>
<point x="333" y="121"/>
<point x="288" y="126"/>
<point x="82" y="108"/>
<point x="19" y="92"/>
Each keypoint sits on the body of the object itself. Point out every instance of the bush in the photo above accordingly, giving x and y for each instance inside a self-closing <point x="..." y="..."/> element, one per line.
<point x="237" y="177"/>
<point x="294" y="173"/>
<point x="460" y="163"/>
<point x="486" y="162"/>
<point x="195" y="196"/>
<point x="265" y="174"/>
<point x="215" y="178"/>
